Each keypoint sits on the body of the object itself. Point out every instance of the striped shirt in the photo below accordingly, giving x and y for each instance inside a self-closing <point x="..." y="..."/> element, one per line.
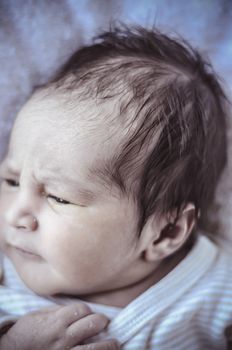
<point x="188" y="309"/>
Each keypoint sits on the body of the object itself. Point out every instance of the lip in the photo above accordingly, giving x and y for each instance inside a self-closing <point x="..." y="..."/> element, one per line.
<point x="25" y="252"/>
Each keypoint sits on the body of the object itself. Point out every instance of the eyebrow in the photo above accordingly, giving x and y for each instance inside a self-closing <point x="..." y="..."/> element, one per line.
<point x="85" y="194"/>
<point x="78" y="188"/>
<point x="4" y="166"/>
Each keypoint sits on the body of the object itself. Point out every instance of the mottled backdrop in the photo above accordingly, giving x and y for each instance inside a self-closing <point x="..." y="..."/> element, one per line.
<point x="36" y="36"/>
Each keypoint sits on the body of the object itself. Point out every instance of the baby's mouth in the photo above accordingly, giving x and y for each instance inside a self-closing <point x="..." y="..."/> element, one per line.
<point x="25" y="252"/>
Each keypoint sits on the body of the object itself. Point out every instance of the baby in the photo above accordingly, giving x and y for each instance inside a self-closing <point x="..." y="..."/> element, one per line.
<point x="110" y="172"/>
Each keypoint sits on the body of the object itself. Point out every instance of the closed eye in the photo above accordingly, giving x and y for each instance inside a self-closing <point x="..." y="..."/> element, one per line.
<point x="58" y="200"/>
<point x="11" y="182"/>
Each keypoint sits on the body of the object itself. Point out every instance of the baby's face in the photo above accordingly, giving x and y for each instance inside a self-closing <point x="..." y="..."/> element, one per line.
<point x="63" y="230"/>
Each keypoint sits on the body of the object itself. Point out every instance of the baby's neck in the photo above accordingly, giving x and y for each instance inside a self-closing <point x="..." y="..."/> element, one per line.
<point x="123" y="296"/>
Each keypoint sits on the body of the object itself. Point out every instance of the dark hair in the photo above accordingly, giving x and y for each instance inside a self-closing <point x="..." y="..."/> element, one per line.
<point x="172" y="96"/>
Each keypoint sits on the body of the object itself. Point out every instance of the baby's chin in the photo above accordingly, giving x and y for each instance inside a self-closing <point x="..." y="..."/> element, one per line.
<point x="44" y="280"/>
<point x="43" y="289"/>
<point x="38" y="281"/>
<point x="46" y="287"/>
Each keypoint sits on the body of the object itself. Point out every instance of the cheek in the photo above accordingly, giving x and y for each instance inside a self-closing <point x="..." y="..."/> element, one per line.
<point x="7" y="200"/>
<point x="4" y="205"/>
<point x="92" y="241"/>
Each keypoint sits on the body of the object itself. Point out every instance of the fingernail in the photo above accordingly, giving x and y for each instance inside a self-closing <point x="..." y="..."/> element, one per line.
<point x="116" y="344"/>
<point x="104" y="320"/>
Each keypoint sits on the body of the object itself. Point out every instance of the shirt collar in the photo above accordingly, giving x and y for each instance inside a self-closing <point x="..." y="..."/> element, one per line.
<point x="164" y="293"/>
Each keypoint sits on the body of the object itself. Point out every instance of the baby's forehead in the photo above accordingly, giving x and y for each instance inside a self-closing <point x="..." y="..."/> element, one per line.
<point x="98" y="120"/>
<point x="90" y="129"/>
<point x="72" y="106"/>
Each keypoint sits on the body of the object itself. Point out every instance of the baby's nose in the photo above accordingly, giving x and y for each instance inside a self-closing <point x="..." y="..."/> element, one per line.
<point x="26" y="222"/>
<point x="21" y="217"/>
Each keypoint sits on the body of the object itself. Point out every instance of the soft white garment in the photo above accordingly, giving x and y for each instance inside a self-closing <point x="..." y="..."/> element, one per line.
<point x="188" y="309"/>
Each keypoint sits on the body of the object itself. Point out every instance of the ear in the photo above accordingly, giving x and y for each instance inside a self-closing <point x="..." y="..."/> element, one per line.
<point x="161" y="238"/>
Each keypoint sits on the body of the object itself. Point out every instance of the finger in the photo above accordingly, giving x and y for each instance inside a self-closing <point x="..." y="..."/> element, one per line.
<point x="47" y="309"/>
<point x="85" y="328"/>
<point x="104" y="345"/>
<point x="72" y="313"/>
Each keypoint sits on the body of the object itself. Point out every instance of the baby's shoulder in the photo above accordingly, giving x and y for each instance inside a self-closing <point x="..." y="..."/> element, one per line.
<point x="214" y="289"/>
<point x="221" y="271"/>
<point x="219" y="275"/>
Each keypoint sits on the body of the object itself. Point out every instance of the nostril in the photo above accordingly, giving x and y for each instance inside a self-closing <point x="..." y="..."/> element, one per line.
<point x="21" y="227"/>
<point x="25" y="222"/>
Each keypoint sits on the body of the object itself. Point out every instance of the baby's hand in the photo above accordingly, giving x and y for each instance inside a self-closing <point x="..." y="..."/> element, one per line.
<point x="57" y="328"/>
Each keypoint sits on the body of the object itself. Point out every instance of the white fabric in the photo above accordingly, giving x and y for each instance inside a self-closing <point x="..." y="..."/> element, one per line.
<point x="188" y="309"/>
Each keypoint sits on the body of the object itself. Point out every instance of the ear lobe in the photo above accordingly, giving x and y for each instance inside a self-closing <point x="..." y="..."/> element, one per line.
<point x="168" y="238"/>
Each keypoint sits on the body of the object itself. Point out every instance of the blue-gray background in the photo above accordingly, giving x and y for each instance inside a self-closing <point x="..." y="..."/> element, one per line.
<point x="36" y="36"/>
